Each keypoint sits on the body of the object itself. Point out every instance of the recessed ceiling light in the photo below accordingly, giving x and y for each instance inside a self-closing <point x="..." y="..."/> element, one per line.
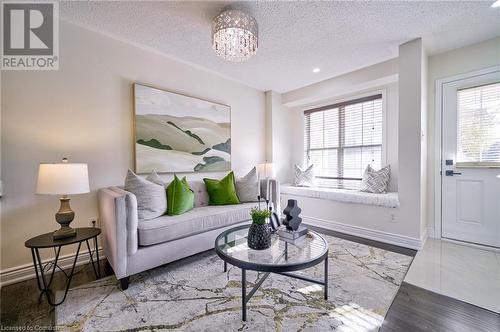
<point x="316" y="70"/>
<point x="496" y="4"/>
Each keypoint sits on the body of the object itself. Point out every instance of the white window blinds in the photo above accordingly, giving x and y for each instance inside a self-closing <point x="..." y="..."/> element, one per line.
<point x="342" y="139"/>
<point x="478" y="127"/>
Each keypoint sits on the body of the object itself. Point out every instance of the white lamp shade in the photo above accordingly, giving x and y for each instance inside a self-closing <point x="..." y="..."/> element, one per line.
<point x="62" y="179"/>
<point x="266" y="170"/>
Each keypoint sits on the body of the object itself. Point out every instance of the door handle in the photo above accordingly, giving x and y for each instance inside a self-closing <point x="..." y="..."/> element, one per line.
<point x="451" y="173"/>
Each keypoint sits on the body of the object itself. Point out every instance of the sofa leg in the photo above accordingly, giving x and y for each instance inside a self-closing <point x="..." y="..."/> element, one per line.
<point x="124" y="283"/>
<point x="108" y="270"/>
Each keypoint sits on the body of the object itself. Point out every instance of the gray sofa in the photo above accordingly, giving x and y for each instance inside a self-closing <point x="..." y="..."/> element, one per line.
<point x="132" y="245"/>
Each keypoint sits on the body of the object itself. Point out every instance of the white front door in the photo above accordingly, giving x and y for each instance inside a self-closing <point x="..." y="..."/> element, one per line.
<point x="470" y="165"/>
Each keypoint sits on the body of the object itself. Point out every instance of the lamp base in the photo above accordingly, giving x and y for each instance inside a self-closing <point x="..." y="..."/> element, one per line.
<point x="64" y="232"/>
<point x="64" y="217"/>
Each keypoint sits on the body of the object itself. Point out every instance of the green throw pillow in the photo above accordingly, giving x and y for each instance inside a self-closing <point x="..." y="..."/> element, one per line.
<point x="180" y="198"/>
<point x="222" y="192"/>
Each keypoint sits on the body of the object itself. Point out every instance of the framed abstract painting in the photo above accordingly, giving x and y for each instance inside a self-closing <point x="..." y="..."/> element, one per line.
<point x="178" y="133"/>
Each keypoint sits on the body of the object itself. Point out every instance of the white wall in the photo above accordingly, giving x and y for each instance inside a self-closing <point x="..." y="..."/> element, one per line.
<point x="404" y="85"/>
<point x="375" y="222"/>
<point x="459" y="61"/>
<point x="362" y="79"/>
<point x="383" y="223"/>
<point x="416" y="98"/>
<point x="84" y="112"/>
<point x="279" y="135"/>
<point x="423" y="143"/>
<point x="411" y="137"/>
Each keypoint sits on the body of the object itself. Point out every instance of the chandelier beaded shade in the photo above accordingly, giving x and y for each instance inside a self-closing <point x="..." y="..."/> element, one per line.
<point x="235" y="35"/>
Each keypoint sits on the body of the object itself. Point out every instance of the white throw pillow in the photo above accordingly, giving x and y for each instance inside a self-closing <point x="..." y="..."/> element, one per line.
<point x="376" y="181"/>
<point x="151" y="197"/>
<point x="304" y="177"/>
<point x="247" y="187"/>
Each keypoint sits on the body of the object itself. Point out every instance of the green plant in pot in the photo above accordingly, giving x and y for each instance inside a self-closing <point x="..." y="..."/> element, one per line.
<point x="259" y="234"/>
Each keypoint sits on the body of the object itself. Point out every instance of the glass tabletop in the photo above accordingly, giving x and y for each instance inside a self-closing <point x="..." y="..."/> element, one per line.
<point x="232" y="246"/>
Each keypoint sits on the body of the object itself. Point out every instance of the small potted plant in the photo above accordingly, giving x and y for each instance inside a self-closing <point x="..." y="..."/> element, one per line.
<point x="259" y="234"/>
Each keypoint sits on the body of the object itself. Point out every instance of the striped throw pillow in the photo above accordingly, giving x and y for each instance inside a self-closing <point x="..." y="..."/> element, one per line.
<point x="304" y="177"/>
<point x="376" y="181"/>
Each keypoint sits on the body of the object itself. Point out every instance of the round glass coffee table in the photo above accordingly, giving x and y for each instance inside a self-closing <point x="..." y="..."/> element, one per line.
<point x="281" y="258"/>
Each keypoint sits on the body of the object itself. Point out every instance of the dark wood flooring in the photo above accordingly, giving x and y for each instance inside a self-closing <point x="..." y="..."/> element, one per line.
<point x="417" y="309"/>
<point x="21" y="304"/>
<point x="413" y="309"/>
<point x="376" y="244"/>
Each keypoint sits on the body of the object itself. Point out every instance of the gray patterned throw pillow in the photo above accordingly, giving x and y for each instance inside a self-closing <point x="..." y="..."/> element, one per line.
<point x="304" y="177"/>
<point x="151" y="197"/>
<point x="247" y="187"/>
<point x="155" y="178"/>
<point x="376" y="181"/>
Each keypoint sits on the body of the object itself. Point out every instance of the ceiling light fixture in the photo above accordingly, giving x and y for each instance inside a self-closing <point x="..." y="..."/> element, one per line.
<point x="235" y="35"/>
<point x="496" y="4"/>
<point x="316" y="70"/>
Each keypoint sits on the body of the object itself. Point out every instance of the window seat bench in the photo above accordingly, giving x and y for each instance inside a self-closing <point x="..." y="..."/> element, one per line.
<point x="388" y="200"/>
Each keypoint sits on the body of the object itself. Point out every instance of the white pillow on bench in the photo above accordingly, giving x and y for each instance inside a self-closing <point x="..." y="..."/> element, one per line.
<point x="304" y="177"/>
<point x="376" y="181"/>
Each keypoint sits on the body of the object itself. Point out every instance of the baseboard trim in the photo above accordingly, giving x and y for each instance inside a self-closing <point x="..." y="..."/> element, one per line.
<point x="424" y="236"/>
<point x="391" y="238"/>
<point x="27" y="271"/>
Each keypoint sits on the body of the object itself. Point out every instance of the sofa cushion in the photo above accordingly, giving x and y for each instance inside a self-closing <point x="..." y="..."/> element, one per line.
<point x="200" y="192"/>
<point x="247" y="187"/>
<point x="151" y="197"/>
<point x="223" y="191"/>
<point x="180" y="197"/>
<point x="155" y="178"/>
<point x="198" y="220"/>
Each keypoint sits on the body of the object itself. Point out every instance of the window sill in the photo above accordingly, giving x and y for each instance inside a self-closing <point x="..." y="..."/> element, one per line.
<point x="388" y="200"/>
<point x="476" y="165"/>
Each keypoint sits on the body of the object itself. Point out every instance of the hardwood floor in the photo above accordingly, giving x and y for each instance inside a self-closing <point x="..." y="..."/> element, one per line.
<point x="417" y="309"/>
<point x="21" y="304"/>
<point x="373" y="243"/>
<point x="413" y="309"/>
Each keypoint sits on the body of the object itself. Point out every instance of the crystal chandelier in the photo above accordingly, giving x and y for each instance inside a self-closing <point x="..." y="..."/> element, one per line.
<point x="235" y="35"/>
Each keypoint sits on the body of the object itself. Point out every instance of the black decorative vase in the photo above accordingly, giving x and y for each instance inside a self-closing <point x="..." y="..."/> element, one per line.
<point x="259" y="236"/>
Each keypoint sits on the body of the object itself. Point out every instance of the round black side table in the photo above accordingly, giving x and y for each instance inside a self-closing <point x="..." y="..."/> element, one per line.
<point x="46" y="240"/>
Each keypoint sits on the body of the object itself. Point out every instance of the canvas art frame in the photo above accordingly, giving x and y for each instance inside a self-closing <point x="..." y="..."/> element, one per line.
<point x="178" y="133"/>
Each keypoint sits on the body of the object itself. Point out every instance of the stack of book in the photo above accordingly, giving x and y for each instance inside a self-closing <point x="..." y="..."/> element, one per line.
<point x="293" y="236"/>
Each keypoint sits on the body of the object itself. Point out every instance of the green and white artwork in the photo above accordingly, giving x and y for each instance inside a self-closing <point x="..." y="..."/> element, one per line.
<point x="177" y="133"/>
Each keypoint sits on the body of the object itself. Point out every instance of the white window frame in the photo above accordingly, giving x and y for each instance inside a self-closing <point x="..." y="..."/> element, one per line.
<point x="346" y="98"/>
<point x="474" y="164"/>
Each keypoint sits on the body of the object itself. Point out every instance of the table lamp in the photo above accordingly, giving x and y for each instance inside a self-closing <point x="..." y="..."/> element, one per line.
<point x="63" y="179"/>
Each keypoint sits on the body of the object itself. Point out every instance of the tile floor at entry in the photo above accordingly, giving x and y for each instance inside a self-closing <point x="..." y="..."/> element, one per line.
<point x="459" y="271"/>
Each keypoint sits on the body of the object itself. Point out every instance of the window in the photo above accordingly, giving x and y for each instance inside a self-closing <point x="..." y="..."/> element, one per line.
<point x="478" y="139"/>
<point x="342" y="139"/>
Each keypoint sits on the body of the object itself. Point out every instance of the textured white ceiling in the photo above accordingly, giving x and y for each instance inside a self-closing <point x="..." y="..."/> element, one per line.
<point x="294" y="37"/>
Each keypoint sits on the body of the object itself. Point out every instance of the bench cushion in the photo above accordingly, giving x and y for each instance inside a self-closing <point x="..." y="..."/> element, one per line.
<point x="198" y="220"/>
<point x="388" y="200"/>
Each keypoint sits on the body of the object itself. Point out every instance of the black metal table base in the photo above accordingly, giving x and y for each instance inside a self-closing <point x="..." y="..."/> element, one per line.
<point x="246" y="297"/>
<point x="44" y="285"/>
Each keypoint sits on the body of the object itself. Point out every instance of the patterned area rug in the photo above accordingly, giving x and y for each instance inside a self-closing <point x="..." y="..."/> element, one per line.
<point x="194" y="294"/>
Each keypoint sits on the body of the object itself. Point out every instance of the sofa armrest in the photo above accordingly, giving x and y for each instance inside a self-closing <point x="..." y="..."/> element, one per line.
<point x="118" y="215"/>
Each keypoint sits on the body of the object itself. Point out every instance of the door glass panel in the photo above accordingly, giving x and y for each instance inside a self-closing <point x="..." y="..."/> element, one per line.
<point x="478" y="131"/>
